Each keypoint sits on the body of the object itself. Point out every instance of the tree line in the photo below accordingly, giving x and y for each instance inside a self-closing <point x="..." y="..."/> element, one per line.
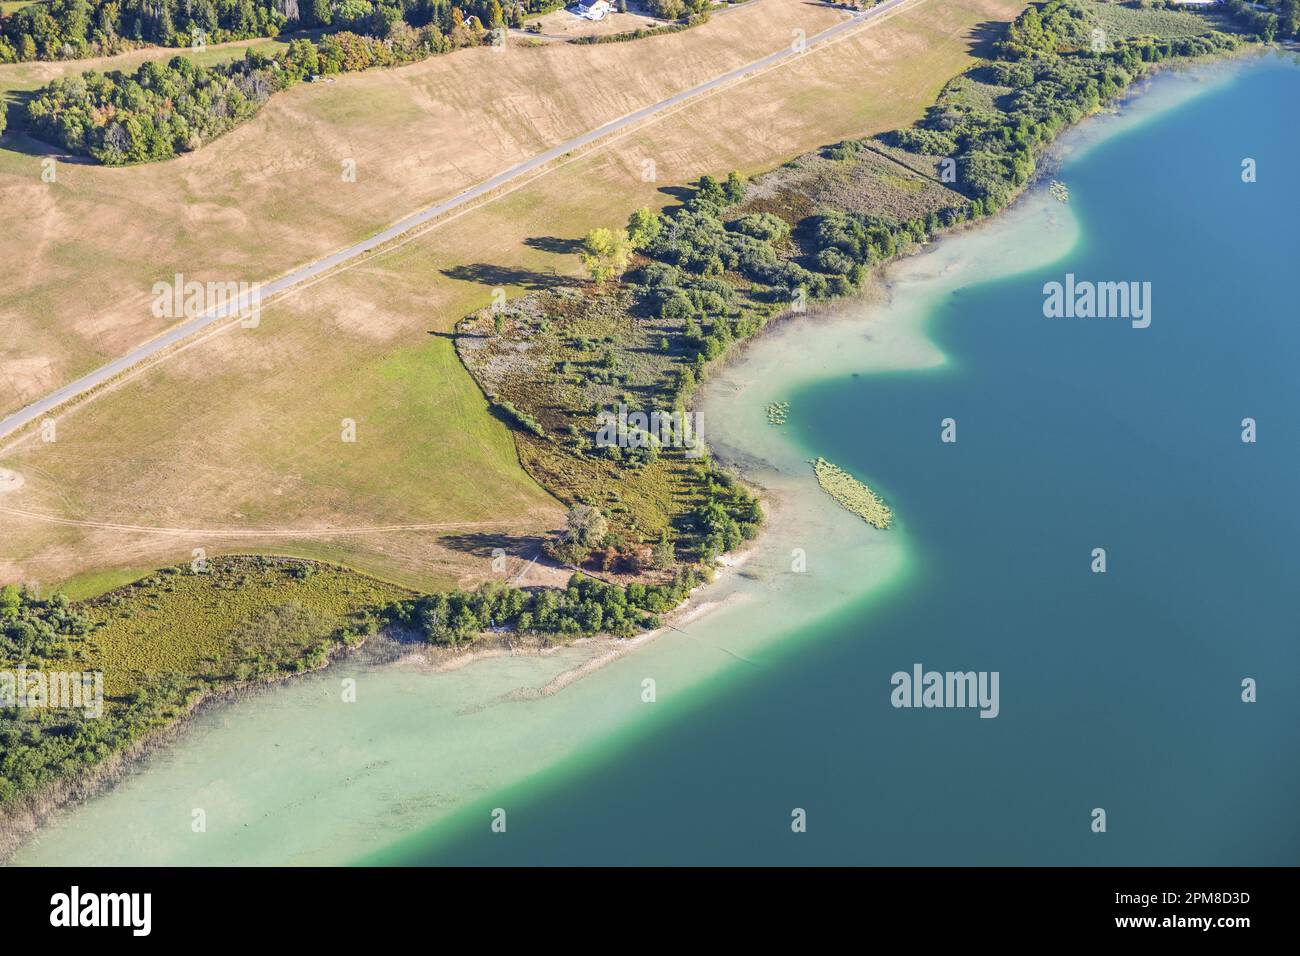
<point x="585" y="607"/>
<point x="75" y="29"/>
<point x="33" y="629"/>
<point x="1280" y="19"/>
<point x="1057" y="78"/>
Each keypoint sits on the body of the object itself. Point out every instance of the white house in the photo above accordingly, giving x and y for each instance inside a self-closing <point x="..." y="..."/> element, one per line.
<point x="594" y="9"/>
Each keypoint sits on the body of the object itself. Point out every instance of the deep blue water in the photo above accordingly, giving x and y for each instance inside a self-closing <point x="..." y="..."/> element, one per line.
<point x="1119" y="691"/>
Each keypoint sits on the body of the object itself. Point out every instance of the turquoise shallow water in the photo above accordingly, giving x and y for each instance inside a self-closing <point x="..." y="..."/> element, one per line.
<point x="1118" y="691"/>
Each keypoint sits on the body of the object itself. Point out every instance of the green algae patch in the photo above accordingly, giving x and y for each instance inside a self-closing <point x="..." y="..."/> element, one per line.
<point x="852" y="494"/>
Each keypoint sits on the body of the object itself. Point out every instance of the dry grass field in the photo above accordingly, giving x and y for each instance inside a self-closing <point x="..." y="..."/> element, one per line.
<point x="271" y="195"/>
<point x="239" y="433"/>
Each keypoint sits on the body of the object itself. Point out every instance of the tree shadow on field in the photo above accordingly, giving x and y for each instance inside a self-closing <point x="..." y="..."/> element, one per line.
<point x="484" y="543"/>
<point x="485" y="273"/>
<point x="554" y="244"/>
<point x="680" y="193"/>
<point x="15" y="106"/>
<point x="983" y="36"/>
<point x="524" y="549"/>
<point x="17" y="137"/>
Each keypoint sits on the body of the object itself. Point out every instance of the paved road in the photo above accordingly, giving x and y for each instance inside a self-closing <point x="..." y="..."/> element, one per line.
<point x="197" y="324"/>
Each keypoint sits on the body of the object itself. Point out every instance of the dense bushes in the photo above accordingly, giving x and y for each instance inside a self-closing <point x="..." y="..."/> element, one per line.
<point x="728" y="517"/>
<point x="1058" y="70"/>
<point x="32" y="629"/>
<point x="762" y="225"/>
<point x="72" y="29"/>
<point x="586" y="606"/>
<point x="640" y="33"/>
<point x="38" y="746"/>
<point x="1283" y="20"/>
<point x="522" y="419"/>
<point x="695" y="239"/>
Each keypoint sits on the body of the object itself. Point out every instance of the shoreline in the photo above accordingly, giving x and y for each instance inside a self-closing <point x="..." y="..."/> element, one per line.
<point x="19" y="823"/>
<point x="445" y="660"/>
<point x="884" y="283"/>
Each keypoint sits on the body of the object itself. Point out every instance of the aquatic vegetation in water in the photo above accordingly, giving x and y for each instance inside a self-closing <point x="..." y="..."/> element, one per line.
<point x="1059" y="191"/>
<point x="777" y="412"/>
<point x="852" y="494"/>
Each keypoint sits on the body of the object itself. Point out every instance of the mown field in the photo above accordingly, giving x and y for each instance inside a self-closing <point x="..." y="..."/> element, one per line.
<point x="271" y="195"/>
<point x="242" y="430"/>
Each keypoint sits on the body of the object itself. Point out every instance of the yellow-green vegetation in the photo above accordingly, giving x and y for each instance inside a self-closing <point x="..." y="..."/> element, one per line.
<point x="777" y="413"/>
<point x="862" y="176"/>
<point x="243" y="617"/>
<point x="1127" y="18"/>
<point x="852" y="494"/>
<point x="605" y="254"/>
<point x="163" y="643"/>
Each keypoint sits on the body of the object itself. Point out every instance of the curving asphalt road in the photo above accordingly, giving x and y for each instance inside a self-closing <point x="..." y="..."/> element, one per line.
<point x="188" y="328"/>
